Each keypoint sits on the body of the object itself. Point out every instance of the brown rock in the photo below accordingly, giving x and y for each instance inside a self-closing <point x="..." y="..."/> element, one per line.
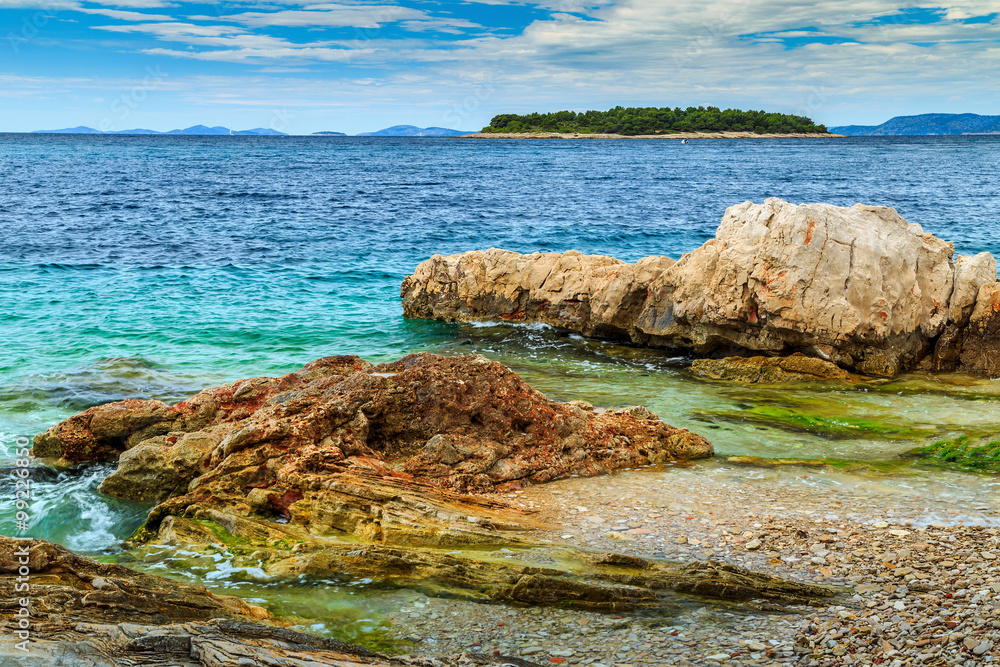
<point x="308" y="446"/>
<point x="796" y="368"/>
<point x="981" y="338"/>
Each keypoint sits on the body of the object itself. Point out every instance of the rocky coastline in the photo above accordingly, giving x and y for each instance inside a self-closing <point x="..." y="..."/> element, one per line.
<point x="346" y="468"/>
<point x="858" y="287"/>
<point x="529" y="531"/>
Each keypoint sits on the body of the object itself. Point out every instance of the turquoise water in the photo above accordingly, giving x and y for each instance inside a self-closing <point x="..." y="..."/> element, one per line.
<point x="156" y="266"/>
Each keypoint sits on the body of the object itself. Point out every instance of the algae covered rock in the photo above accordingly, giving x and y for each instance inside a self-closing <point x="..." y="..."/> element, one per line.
<point x="83" y="613"/>
<point x="66" y="588"/>
<point x="961" y="452"/>
<point x="766" y="370"/>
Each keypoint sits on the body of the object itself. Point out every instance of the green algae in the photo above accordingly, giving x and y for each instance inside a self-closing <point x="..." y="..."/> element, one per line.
<point x="961" y="452"/>
<point x="789" y="419"/>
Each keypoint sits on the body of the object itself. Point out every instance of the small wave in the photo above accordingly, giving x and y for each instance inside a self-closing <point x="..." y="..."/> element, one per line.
<point x="103" y="381"/>
<point x="527" y="326"/>
<point x="65" y="508"/>
<point x="259" y="195"/>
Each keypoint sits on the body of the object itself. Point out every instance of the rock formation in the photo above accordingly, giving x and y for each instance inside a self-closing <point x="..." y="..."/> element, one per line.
<point x="348" y="469"/>
<point x="857" y="286"/>
<point x="82" y="613"/>
<point x="380" y="452"/>
<point x="795" y="368"/>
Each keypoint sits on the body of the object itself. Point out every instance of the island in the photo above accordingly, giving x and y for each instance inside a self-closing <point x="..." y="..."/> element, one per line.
<point x="653" y="122"/>
<point x="927" y="125"/>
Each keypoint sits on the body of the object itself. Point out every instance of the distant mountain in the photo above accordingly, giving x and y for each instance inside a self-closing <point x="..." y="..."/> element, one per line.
<point x="71" y="130"/>
<point x="925" y="125"/>
<point x="196" y="130"/>
<point x="200" y="130"/>
<point x="413" y="131"/>
<point x="260" y="132"/>
<point x="327" y="134"/>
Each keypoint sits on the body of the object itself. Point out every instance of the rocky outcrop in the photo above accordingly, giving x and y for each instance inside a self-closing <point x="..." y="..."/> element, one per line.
<point x="768" y="370"/>
<point x="599" y="296"/>
<point x="381" y="452"/>
<point x="78" y="612"/>
<point x="857" y="286"/>
<point x="345" y="469"/>
<point x="66" y="588"/>
<point x="82" y="613"/>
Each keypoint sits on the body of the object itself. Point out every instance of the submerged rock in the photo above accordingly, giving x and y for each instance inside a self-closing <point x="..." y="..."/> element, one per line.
<point x="858" y="286"/>
<point x="65" y="588"/>
<point x="380" y="452"/>
<point x="961" y="452"/>
<point x="82" y="613"/>
<point x="796" y="368"/>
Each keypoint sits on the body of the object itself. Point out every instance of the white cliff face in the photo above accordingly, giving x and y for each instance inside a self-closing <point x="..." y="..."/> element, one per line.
<point x="858" y="286"/>
<point x="835" y="274"/>
<point x="846" y="279"/>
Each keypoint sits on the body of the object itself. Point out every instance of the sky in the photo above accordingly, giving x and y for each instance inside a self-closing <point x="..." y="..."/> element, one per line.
<point x="301" y="67"/>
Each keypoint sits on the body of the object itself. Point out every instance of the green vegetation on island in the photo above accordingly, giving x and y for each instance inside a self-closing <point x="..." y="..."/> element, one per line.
<point x="797" y="421"/>
<point x="653" y="120"/>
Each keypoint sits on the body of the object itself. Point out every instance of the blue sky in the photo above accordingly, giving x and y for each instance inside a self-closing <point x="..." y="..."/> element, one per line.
<point x="346" y="66"/>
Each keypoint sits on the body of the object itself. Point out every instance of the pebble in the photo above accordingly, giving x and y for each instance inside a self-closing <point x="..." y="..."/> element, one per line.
<point x="919" y="593"/>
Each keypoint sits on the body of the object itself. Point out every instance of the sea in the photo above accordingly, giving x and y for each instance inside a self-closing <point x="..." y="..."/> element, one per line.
<point x="155" y="266"/>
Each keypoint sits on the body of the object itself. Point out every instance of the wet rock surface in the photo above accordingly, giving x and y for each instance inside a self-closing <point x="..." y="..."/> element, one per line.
<point x="771" y="370"/>
<point x="84" y="613"/>
<point x="379" y="452"/>
<point x="213" y="644"/>
<point x="859" y="287"/>
<point x="64" y="588"/>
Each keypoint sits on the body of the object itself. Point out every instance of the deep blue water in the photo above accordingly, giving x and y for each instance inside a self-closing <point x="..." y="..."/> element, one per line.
<point x="154" y="266"/>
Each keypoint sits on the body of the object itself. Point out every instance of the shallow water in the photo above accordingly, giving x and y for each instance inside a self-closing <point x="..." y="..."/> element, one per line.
<point x="349" y="609"/>
<point x="155" y="266"/>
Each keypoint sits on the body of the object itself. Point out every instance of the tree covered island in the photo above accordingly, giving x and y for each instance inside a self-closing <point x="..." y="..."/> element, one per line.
<point x="653" y="120"/>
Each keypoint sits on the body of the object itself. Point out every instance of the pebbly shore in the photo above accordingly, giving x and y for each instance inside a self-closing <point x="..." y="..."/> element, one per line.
<point x="921" y="577"/>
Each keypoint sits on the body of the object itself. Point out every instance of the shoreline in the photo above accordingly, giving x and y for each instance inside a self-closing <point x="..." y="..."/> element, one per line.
<point x="679" y="135"/>
<point x="914" y="589"/>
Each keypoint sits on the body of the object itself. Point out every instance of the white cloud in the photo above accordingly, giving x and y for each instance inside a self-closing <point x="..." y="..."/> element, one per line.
<point x="329" y="15"/>
<point x="122" y="15"/>
<point x="446" y="25"/>
<point x="633" y="51"/>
